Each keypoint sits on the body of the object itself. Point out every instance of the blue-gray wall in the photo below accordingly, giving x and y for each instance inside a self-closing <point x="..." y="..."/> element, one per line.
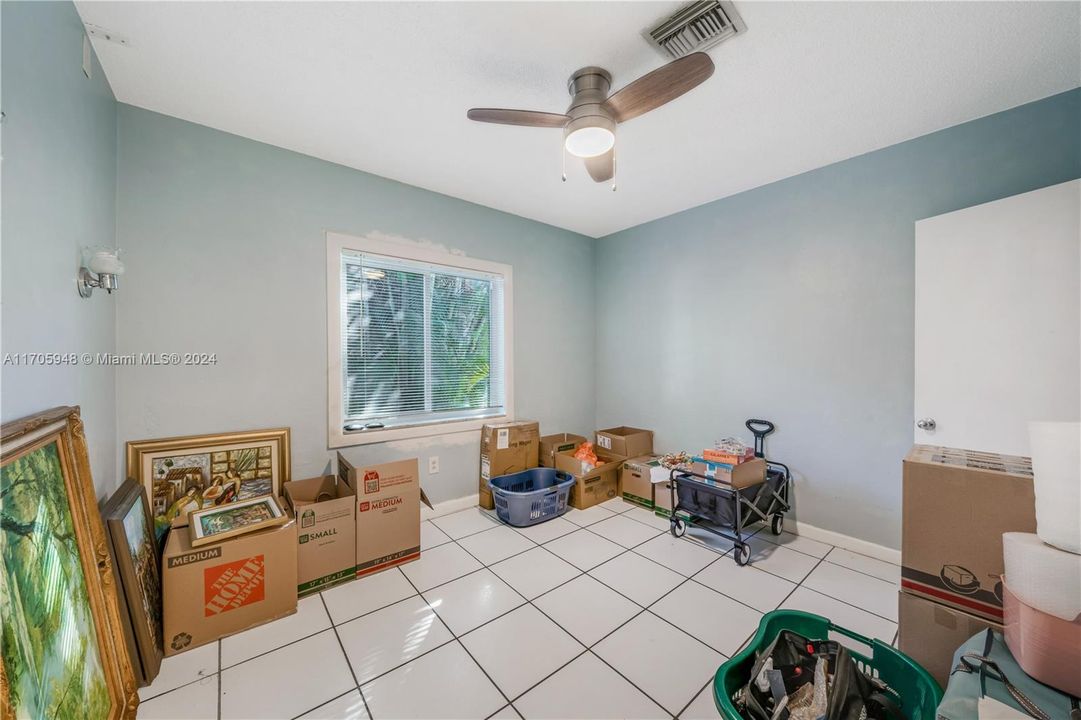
<point x="59" y="194"/>
<point x="794" y="302"/>
<point x="226" y="254"/>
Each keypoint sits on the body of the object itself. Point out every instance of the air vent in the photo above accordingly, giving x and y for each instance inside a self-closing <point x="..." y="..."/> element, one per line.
<point x="696" y="27"/>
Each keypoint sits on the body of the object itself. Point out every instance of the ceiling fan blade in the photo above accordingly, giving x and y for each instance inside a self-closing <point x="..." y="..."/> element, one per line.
<point x="518" y="117"/>
<point x="602" y="167"/>
<point x="660" y="86"/>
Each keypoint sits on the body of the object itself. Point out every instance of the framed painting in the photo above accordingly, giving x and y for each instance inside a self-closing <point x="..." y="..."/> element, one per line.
<point x="135" y="556"/>
<point x="200" y="471"/>
<point x="63" y="648"/>
<point x="218" y="523"/>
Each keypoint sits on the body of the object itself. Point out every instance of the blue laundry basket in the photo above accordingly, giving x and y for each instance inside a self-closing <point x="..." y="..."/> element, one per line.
<point x="531" y="496"/>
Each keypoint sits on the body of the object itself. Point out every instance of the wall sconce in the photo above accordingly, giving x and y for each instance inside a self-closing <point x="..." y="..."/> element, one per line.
<point x="100" y="271"/>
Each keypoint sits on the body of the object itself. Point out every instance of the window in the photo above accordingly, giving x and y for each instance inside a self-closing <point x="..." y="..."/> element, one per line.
<point x="419" y="340"/>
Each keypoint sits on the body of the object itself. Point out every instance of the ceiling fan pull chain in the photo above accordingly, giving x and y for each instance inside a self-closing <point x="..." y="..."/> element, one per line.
<point x="615" y="168"/>
<point x="563" y="158"/>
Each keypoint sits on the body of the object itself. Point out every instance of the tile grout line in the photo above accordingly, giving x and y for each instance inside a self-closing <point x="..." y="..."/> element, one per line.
<point x="327" y="702"/>
<point x="200" y="678"/>
<point x="588" y="649"/>
<point x="348" y="662"/>
<point x="700" y="691"/>
<point x="861" y="572"/>
<point x="857" y="552"/>
<point x="845" y="602"/>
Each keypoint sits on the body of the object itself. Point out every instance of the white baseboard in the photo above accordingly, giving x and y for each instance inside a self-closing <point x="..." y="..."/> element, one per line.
<point x="863" y="547"/>
<point x="880" y="552"/>
<point x="448" y="506"/>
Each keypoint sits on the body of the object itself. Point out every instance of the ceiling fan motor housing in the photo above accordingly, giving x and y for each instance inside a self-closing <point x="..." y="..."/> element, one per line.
<point x="589" y="89"/>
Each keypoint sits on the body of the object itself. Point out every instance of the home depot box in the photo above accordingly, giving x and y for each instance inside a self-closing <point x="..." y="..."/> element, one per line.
<point x="636" y="479"/>
<point x="506" y="448"/>
<point x="594" y="486"/>
<point x="550" y="445"/>
<point x="388" y="512"/>
<point x="930" y="633"/>
<point x="956" y="505"/>
<point x="325" y="511"/>
<point x="216" y="590"/>
<point x="625" y="441"/>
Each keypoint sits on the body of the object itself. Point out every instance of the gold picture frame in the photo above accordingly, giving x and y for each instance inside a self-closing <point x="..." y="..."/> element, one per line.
<point x="239" y="518"/>
<point x="135" y="557"/>
<point x="65" y="654"/>
<point x="193" y="472"/>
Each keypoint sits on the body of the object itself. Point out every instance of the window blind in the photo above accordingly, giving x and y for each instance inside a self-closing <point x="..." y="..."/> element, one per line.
<point x="421" y="343"/>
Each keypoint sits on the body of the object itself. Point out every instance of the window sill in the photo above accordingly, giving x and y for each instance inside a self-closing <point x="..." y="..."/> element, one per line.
<point x="339" y="438"/>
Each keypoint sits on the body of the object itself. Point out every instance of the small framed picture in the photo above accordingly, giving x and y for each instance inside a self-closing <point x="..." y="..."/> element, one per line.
<point x="218" y="523"/>
<point x="131" y="533"/>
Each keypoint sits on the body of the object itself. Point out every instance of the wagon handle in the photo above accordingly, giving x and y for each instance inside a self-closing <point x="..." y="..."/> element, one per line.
<point x="760" y="435"/>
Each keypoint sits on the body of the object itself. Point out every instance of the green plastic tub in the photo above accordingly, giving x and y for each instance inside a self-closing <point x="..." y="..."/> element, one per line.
<point x="918" y="692"/>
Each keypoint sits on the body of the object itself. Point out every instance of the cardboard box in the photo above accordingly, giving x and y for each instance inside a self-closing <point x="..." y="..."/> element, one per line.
<point x="594" y="486"/>
<point x="506" y="448"/>
<point x="745" y="474"/>
<point x="662" y="493"/>
<point x="930" y="633"/>
<point x="956" y="505"/>
<point x="325" y="511"/>
<point x="636" y="479"/>
<point x="625" y="441"/>
<point x="217" y="590"/>
<point x="550" y="445"/>
<point x="388" y="501"/>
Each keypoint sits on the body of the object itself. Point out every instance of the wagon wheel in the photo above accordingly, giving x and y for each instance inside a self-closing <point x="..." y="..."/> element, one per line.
<point x="678" y="526"/>
<point x="777" y="524"/>
<point x="742" y="554"/>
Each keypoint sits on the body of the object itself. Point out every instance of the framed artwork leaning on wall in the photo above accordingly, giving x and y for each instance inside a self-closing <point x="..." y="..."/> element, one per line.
<point x="63" y="649"/>
<point x="183" y="474"/>
<point x="135" y="556"/>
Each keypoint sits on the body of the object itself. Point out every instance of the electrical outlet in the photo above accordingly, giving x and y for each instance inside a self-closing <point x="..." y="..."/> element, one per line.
<point x="433" y="465"/>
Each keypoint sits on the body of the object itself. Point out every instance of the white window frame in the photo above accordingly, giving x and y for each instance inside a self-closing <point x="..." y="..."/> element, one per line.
<point x="338" y="242"/>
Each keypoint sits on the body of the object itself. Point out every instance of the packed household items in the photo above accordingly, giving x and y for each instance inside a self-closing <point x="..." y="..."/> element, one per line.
<point x="729" y="487"/>
<point x="793" y="670"/>
<point x="528" y="478"/>
<point x="992" y="605"/>
<point x="212" y="536"/>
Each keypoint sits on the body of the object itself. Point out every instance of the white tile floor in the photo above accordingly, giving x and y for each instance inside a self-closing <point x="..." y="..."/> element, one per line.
<point x="599" y="614"/>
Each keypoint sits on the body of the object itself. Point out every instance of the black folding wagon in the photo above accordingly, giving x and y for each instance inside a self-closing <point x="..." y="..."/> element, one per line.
<point x="718" y="506"/>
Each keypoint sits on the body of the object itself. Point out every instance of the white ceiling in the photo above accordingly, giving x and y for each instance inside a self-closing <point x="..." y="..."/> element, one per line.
<point x="383" y="87"/>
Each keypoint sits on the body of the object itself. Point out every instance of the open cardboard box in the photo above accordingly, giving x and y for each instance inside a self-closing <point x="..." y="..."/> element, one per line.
<point x="627" y="442"/>
<point x="552" y="445"/>
<point x="224" y="588"/>
<point x="325" y="511"/>
<point x="388" y="498"/>
<point x="592" y="486"/>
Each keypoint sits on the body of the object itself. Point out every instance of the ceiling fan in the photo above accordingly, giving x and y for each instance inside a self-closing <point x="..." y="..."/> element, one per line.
<point x="589" y="125"/>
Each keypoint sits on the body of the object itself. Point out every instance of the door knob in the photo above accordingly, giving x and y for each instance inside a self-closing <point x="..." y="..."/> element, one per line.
<point x="927" y="424"/>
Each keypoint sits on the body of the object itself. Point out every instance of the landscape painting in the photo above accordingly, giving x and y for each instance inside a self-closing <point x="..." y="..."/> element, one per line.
<point x="61" y="645"/>
<point x="127" y="518"/>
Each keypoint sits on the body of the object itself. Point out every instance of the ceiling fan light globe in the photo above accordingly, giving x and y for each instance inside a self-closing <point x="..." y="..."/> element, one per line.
<point x="590" y="141"/>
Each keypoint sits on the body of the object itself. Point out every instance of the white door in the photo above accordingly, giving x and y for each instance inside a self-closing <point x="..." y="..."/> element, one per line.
<point x="998" y="320"/>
